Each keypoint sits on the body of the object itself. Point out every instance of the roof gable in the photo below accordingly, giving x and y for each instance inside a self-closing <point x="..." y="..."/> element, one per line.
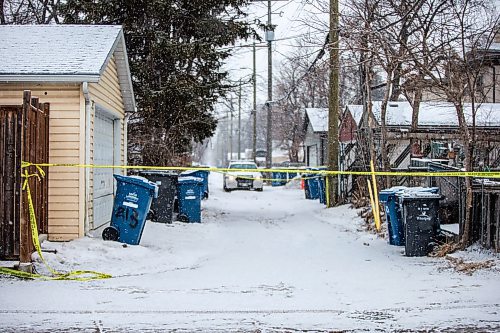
<point x="64" y="53"/>
<point x="318" y="118"/>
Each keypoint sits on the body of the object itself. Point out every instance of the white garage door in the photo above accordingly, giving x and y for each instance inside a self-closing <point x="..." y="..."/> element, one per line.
<point x="103" y="178"/>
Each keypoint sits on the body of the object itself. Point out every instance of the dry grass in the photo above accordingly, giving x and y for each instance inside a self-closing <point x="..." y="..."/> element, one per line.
<point x="469" y="267"/>
<point x="444" y="249"/>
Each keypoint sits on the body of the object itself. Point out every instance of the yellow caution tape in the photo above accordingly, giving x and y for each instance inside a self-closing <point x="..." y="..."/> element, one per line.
<point x="479" y="174"/>
<point x="92" y="275"/>
<point x="79" y="275"/>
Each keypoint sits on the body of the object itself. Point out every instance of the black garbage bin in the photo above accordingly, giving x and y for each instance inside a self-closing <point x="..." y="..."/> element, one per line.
<point x="421" y="222"/>
<point x="162" y="208"/>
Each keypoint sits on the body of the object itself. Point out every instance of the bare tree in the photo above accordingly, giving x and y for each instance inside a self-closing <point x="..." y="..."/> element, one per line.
<point x="447" y="50"/>
<point x="29" y="11"/>
<point x="299" y="85"/>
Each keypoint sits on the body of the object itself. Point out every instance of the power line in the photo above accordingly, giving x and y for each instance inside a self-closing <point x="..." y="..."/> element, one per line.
<point x="262" y="44"/>
<point x="320" y="54"/>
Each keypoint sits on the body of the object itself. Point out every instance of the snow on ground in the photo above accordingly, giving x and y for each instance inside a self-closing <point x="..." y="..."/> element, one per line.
<point x="266" y="261"/>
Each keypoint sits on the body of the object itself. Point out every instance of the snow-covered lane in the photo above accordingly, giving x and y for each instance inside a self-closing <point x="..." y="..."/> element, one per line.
<point x="260" y="260"/>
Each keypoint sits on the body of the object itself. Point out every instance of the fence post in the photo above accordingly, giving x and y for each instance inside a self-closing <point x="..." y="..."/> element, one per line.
<point x="25" y="248"/>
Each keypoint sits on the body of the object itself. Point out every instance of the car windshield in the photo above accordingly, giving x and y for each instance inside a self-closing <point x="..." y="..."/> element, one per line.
<point x="243" y="166"/>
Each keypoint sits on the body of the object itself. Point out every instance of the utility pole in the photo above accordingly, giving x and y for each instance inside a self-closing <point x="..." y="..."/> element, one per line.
<point x="231" y="131"/>
<point x="333" y="114"/>
<point x="269" y="39"/>
<point x="254" y="112"/>
<point x="239" y="121"/>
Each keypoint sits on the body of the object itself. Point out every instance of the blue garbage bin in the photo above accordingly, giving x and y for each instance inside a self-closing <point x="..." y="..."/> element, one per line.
<point x="279" y="178"/>
<point x="313" y="186"/>
<point x="189" y="196"/>
<point x="130" y="208"/>
<point x="394" y="220"/>
<point x="203" y="174"/>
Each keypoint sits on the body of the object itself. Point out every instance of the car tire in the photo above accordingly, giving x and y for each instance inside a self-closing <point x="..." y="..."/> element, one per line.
<point x="259" y="189"/>
<point x="225" y="188"/>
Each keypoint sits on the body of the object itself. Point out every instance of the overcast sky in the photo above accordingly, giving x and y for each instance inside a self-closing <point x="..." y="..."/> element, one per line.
<point x="288" y="16"/>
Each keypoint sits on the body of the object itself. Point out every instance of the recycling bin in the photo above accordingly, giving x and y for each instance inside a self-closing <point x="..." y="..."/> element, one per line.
<point x="203" y="174"/>
<point x="421" y="220"/>
<point x="130" y="208"/>
<point x="189" y="199"/>
<point x="162" y="207"/>
<point x="313" y="186"/>
<point x="393" y="216"/>
<point x="278" y="178"/>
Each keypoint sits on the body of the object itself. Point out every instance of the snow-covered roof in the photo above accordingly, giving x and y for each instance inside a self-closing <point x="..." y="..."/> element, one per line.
<point x="356" y="112"/>
<point x="318" y="118"/>
<point x="436" y="114"/>
<point x="64" y="53"/>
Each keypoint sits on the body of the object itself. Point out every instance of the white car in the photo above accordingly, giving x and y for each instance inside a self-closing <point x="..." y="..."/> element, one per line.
<point x="245" y="176"/>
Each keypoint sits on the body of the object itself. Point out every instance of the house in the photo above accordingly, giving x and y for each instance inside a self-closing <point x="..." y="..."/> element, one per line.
<point x="83" y="72"/>
<point x="438" y="135"/>
<point x="316" y="138"/>
<point x="489" y="85"/>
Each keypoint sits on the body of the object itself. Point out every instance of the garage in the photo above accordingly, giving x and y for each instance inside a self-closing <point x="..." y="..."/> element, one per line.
<point x="104" y="152"/>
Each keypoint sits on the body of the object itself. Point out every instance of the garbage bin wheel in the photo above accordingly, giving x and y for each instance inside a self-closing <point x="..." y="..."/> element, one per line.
<point x="205" y="195"/>
<point x="151" y="215"/>
<point x="183" y="218"/>
<point x="111" y="233"/>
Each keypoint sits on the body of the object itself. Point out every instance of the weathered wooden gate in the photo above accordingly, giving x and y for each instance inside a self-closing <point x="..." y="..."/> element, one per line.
<point x="486" y="214"/>
<point x="24" y="136"/>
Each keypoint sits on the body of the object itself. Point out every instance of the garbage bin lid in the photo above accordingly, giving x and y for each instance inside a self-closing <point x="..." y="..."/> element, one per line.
<point x="420" y="195"/>
<point x="158" y="173"/>
<point x="136" y="180"/>
<point x="191" y="172"/>
<point x="402" y="190"/>
<point x="190" y="179"/>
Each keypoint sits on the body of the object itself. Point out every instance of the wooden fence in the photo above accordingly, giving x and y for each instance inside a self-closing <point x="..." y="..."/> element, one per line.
<point x="24" y="136"/>
<point x="486" y="215"/>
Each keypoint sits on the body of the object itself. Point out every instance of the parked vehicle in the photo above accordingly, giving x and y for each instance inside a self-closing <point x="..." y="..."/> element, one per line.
<point x="245" y="177"/>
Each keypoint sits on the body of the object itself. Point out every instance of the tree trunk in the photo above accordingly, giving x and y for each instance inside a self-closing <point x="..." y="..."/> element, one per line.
<point x="2" y="12"/>
<point x="466" y="239"/>
<point x="415" y="105"/>
<point x="383" y="128"/>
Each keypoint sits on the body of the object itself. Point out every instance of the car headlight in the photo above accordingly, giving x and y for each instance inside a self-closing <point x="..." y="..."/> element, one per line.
<point x="258" y="177"/>
<point x="231" y="178"/>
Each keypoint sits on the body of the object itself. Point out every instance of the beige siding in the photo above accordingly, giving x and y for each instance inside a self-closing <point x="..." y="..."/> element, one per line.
<point x="106" y="93"/>
<point x="65" y="184"/>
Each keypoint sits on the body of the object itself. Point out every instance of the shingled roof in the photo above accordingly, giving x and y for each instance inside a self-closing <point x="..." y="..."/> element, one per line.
<point x="64" y="53"/>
